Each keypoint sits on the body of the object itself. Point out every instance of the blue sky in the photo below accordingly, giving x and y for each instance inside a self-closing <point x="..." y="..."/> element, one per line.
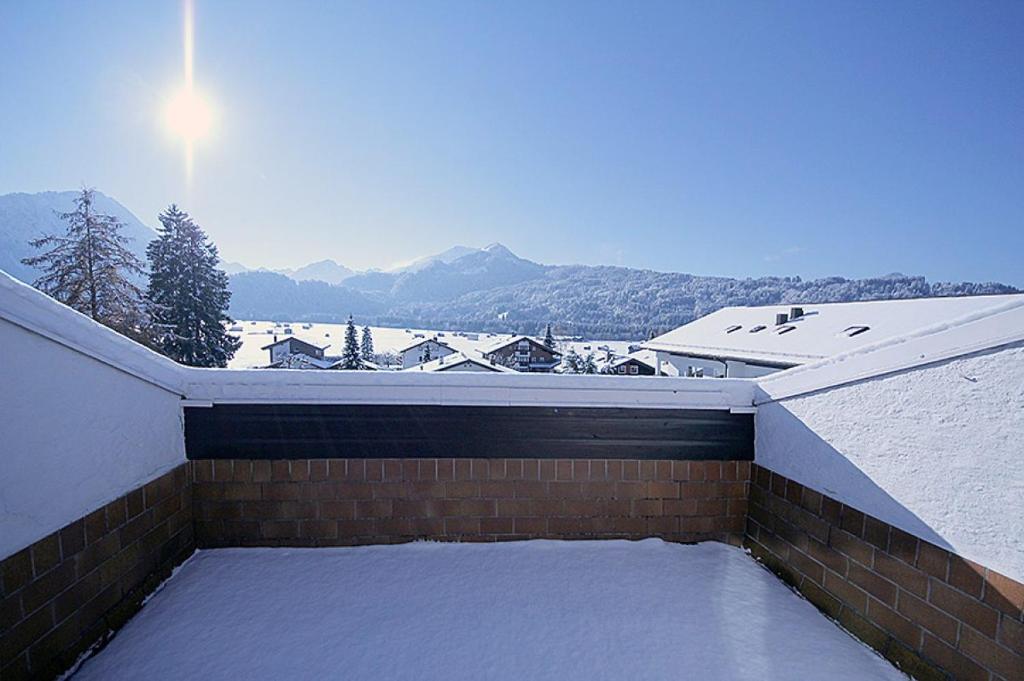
<point x="738" y="139"/>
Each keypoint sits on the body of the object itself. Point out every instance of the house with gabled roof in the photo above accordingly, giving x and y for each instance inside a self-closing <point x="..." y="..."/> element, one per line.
<point x="460" y="361"/>
<point x="523" y="353"/>
<point x="423" y="350"/>
<point x="280" y="349"/>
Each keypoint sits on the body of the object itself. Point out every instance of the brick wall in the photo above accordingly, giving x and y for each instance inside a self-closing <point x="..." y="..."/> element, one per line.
<point x="932" y="613"/>
<point x="325" y="502"/>
<point x="65" y="592"/>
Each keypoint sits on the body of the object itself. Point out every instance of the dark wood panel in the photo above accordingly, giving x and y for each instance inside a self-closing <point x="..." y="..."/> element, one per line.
<point x="290" y="431"/>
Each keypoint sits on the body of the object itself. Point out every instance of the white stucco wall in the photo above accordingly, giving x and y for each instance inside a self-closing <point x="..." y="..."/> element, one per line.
<point x="937" y="450"/>
<point x="75" y="433"/>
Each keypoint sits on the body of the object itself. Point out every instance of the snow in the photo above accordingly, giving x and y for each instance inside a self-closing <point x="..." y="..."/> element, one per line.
<point x="520" y="610"/>
<point x="819" y="332"/>
<point x="258" y="333"/>
<point x="934" y="450"/>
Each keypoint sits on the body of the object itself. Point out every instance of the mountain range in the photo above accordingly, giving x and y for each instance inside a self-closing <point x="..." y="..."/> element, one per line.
<point x="480" y="289"/>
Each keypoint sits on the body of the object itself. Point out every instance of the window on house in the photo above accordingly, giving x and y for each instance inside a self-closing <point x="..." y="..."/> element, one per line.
<point x="633" y="369"/>
<point x="852" y="331"/>
<point x="622" y="369"/>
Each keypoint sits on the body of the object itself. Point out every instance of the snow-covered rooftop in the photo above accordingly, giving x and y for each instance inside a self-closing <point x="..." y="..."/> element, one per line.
<point x="505" y="342"/>
<point x="459" y="359"/>
<point x="518" y="610"/>
<point x="420" y="341"/>
<point x="751" y="333"/>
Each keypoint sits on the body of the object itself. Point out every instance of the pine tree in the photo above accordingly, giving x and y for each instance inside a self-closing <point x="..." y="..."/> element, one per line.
<point x="588" y="365"/>
<point x="188" y="294"/>
<point x="366" y="345"/>
<point x="549" y="340"/>
<point x="90" y="269"/>
<point x="571" y="362"/>
<point x="426" y="356"/>
<point x="350" y="352"/>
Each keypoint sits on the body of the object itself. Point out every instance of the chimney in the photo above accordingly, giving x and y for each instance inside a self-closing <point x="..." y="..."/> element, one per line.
<point x="796" y="312"/>
<point x="275" y="337"/>
<point x="781" y="318"/>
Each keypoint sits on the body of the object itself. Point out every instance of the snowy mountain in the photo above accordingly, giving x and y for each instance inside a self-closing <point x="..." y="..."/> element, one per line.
<point x="24" y="217"/>
<point x="447" y="256"/>
<point x="327" y="271"/>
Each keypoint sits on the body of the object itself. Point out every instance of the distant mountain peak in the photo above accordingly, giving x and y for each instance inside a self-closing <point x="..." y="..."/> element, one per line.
<point x="499" y="249"/>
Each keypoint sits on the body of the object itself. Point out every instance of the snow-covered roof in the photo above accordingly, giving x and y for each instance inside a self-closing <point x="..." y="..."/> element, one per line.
<point x="421" y="341"/>
<point x="750" y="334"/>
<point x="642" y="357"/>
<point x="449" y="362"/>
<point x="289" y="339"/>
<point x="498" y="345"/>
<point x="300" y="360"/>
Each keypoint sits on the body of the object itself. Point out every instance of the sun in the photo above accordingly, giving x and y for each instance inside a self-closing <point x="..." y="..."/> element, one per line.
<point x="188" y="115"/>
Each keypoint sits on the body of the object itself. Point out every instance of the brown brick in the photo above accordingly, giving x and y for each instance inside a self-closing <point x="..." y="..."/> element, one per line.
<point x="876" y="533"/>
<point x="482" y="469"/>
<point x="903" y="546"/>
<point x="877" y="586"/>
<point x="932" y="619"/>
<point x="852" y="521"/>
<point x="822" y="599"/>
<point x="463" y="469"/>
<point x="318" y="529"/>
<point x="630" y="470"/>
<point x="242" y="491"/>
<point x="695" y="471"/>
<point x="810" y="501"/>
<point x="547" y="469"/>
<point x="1011" y="634"/>
<point x="373" y="508"/>
<point x="906" y="577"/>
<point x="613" y="470"/>
<point x="16" y="571"/>
<point x="647" y="507"/>
<point x="72" y="539"/>
<point x="564" y="526"/>
<point x="461" y="526"/>
<point x="318" y="469"/>
<point x="479" y="507"/>
<point x="851" y="547"/>
<point x="222" y="470"/>
<point x="298" y="470"/>
<point x="261" y="471"/>
<point x="896" y="624"/>
<point x="866" y="631"/>
<point x="531" y="469"/>
<point x="280" y="470"/>
<point x="933" y="560"/>
<point x="563" y="469"/>
<point x="338" y="509"/>
<point x="845" y="591"/>
<point x="202" y="470"/>
<point x="279" y="529"/>
<point x="44" y="589"/>
<point x="355" y="470"/>
<point x="45" y="554"/>
<point x="30" y="629"/>
<point x="1004" y="594"/>
<point x="912" y="664"/>
<point x="831" y="510"/>
<point x="241" y="470"/>
<point x="374" y="469"/>
<point x="657" y="489"/>
<point x="964" y="608"/>
<point x="648" y="470"/>
<point x="496" y="525"/>
<point x="953" y="661"/>
<point x="530" y="526"/>
<point x="743" y="470"/>
<point x="990" y="654"/>
<point x="966" y="575"/>
<point x="807" y="566"/>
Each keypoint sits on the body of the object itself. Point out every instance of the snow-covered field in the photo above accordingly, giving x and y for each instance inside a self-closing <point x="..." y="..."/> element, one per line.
<point x="256" y="334"/>
<point x="521" y="610"/>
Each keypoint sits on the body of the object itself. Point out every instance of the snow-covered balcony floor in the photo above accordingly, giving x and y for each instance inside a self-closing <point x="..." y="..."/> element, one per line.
<point x="523" y="610"/>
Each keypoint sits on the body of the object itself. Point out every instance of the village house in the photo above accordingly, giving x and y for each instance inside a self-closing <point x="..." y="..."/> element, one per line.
<point x="460" y="361"/>
<point x="286" y="347"/>
<point x="746" y="342"/>
<point x="523" y="354"/>
<point x="630" y="365"/>
<point x="423" y="350"/>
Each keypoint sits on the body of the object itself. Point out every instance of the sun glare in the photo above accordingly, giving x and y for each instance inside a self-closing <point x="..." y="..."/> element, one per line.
<point x="188" y="115"/>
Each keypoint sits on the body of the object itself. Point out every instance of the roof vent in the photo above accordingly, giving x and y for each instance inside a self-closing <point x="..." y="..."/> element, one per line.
<point x="781" y="318"/>
<point x="796" y="312"/>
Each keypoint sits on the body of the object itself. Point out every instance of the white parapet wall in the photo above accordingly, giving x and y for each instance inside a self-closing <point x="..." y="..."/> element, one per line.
<point x="75" y="431"/>
<point x="924" y="432"/>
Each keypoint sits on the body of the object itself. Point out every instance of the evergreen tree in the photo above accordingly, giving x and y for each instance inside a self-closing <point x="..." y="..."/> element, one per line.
<point x="571" y="362"/>
<point x="366" y="345"/>
<point x="90" y="269"/>
<point x="350" y="352"/>
<point x="549" y="340"/>
<point x="188" y="294"/>
<point x="588" y="365"/>
<point x="426" y="356"/>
